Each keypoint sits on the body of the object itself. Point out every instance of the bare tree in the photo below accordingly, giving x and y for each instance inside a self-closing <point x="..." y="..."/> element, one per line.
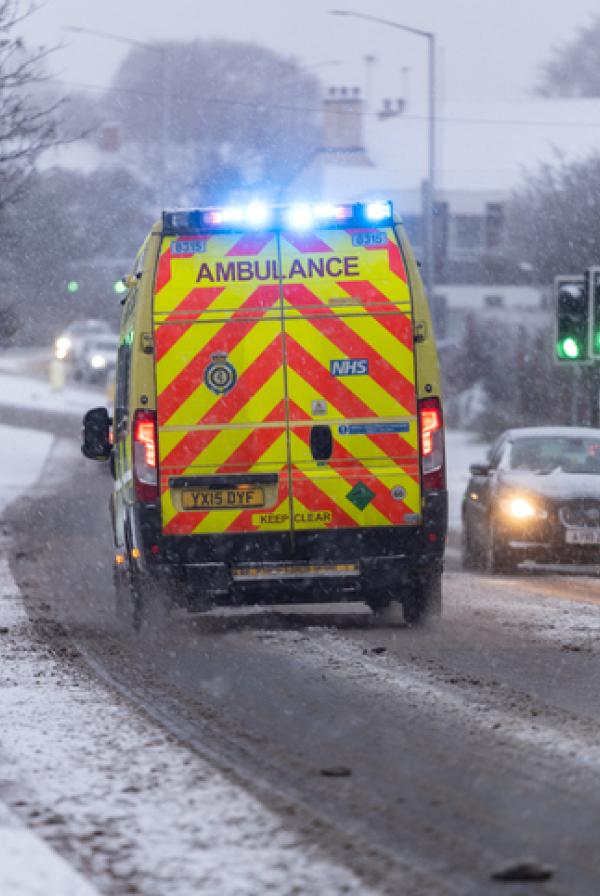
<point x="553" y="219"/>
<point x="573" y="70"/>
<point x="240" y="116"/>
<point x="27" y="126"/>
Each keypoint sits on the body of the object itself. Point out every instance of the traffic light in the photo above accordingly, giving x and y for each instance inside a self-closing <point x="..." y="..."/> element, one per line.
<point x="72" y="286"/>
<point x="592" y="283"/>
<point x="572" y="320"/>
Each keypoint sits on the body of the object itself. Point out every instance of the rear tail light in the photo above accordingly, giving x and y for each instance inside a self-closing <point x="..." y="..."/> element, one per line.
<point x="431" y="431"/>
<point x="145" y="456"/>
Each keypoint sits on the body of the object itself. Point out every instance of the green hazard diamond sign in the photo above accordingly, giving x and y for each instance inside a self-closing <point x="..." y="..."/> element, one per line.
<point x="360" y="495"/>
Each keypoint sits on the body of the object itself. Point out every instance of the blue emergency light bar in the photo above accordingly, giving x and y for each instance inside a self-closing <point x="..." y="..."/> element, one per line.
<point x="261" y="216"/>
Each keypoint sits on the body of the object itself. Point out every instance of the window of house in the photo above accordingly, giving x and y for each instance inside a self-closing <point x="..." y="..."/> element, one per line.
<point x="494" y="225"/>
<point x="468" y="232"/>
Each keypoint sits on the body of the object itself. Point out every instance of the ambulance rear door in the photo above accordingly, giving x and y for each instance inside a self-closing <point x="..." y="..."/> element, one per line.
<point x="220" y="384"/>
<point x="350" y="379"/>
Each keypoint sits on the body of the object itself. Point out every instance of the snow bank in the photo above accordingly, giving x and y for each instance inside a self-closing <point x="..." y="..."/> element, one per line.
<point x="22" y="455"/>
<point x="462" y="450"/>
<point x="28" y="392"/>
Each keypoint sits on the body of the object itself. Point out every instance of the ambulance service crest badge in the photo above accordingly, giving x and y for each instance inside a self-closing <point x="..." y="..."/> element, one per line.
<point x="220" y="375"/>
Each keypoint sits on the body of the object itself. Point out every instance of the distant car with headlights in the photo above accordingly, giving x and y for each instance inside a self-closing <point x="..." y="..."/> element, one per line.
<point x="536" y="498"/>
<point x="68" y="345"/>
<point x="97" y="359"/>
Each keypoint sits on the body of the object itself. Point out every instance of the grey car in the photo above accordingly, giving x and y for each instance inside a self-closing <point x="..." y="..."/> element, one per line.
<point x="536" y="498"/>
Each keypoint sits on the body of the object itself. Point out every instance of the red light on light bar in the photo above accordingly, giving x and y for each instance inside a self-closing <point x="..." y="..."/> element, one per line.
<point x="214" y="216"/>
<point x="343" y="212"/>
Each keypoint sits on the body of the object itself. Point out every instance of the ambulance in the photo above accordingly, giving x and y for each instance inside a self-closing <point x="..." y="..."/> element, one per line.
<point x="277" y="433"/>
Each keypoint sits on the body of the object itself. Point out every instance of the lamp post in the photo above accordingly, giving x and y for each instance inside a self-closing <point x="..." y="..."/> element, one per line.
<point x="430" y="193"/>
<point x="165" y="92"/>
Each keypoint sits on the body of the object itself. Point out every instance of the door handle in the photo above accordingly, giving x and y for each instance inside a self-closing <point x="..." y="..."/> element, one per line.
<point x="321" y="442"/>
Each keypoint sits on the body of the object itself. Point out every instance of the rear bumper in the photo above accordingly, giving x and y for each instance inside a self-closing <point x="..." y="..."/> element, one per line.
<point x="382" y="557"/>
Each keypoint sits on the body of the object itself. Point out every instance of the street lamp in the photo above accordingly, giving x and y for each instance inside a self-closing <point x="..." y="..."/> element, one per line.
<point x="430" y="195"/>
<point x="165" y="92"/>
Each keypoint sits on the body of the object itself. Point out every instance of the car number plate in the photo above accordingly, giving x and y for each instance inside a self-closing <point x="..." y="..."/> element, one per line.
<point x="582" y="536"/>
<point x="222" y="498"/>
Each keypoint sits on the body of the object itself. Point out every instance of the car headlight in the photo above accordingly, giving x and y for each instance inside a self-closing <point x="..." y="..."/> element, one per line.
<point x="61" y="347"/>
<point x="520" y="508"/>
<point x="98" y="362"/>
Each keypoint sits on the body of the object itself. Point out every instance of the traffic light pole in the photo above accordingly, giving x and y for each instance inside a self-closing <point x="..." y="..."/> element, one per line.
<point x="594" y="395"/>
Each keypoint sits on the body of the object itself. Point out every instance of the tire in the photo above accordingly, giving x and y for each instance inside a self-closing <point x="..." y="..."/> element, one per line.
<point x="151" y="603"/>
<point x="124" y="608"/>
<point x="423" y="600"/>
<point x="500" y="557"/>
<point x="470" y="557"/>
<point x="387" y="613"/>
<point x="378" y="601"/>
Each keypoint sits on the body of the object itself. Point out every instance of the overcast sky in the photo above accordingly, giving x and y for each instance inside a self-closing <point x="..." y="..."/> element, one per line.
<point x="488" y="50"/>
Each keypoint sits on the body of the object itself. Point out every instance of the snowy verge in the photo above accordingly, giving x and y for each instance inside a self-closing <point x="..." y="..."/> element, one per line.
<point x="25" y="360"/>
<point x="22" y="455"/>
<point x="28" y="392"/>
<point x="28" y="866"/>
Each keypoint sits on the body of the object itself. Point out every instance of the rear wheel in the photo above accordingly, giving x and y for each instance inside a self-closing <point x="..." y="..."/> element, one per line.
<point x="388" y="612"/>
<point x="423" y="600"/>
<point x="151" y="601"/>
<point x="124" y="606"/>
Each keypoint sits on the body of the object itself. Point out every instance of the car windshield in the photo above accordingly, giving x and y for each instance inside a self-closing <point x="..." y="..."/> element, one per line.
<point x="543" y="455"/>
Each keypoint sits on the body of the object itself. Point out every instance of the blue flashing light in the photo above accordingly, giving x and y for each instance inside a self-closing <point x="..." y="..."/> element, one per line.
<point x="325" y="211"/>
<point x="378" y="211"/>
<point x="257" y="214"/>
<point x="232" y="214"/>
<point x="300" y="217"/>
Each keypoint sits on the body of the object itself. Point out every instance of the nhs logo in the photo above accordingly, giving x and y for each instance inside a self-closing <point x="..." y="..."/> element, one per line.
<point x="349" y="367"/>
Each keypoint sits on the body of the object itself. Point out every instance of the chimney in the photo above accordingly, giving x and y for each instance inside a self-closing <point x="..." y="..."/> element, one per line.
<point x="343" y="109"/>
<point x="109" y="138"/>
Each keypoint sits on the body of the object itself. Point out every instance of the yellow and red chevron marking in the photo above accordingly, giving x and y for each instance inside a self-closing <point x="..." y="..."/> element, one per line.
<point x="259" y="451"/>
<point x="348" y="403"/>
<point x="345" y="470"/>
<point x="335" y="483"/>
<point x="176" y="382"/>
<point x="347" y="335"/>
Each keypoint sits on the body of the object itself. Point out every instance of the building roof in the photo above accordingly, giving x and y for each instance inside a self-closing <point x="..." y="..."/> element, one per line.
<point x="480" y="148"/>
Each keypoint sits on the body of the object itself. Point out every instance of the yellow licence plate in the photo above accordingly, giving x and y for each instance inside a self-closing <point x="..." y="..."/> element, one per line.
<point x="222" y="498"/>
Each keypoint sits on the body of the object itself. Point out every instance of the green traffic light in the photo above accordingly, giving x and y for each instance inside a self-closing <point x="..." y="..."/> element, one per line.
<point x="570" y="348"/>
<point x="72" y="286"/>
<point x="119" y="287"/>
